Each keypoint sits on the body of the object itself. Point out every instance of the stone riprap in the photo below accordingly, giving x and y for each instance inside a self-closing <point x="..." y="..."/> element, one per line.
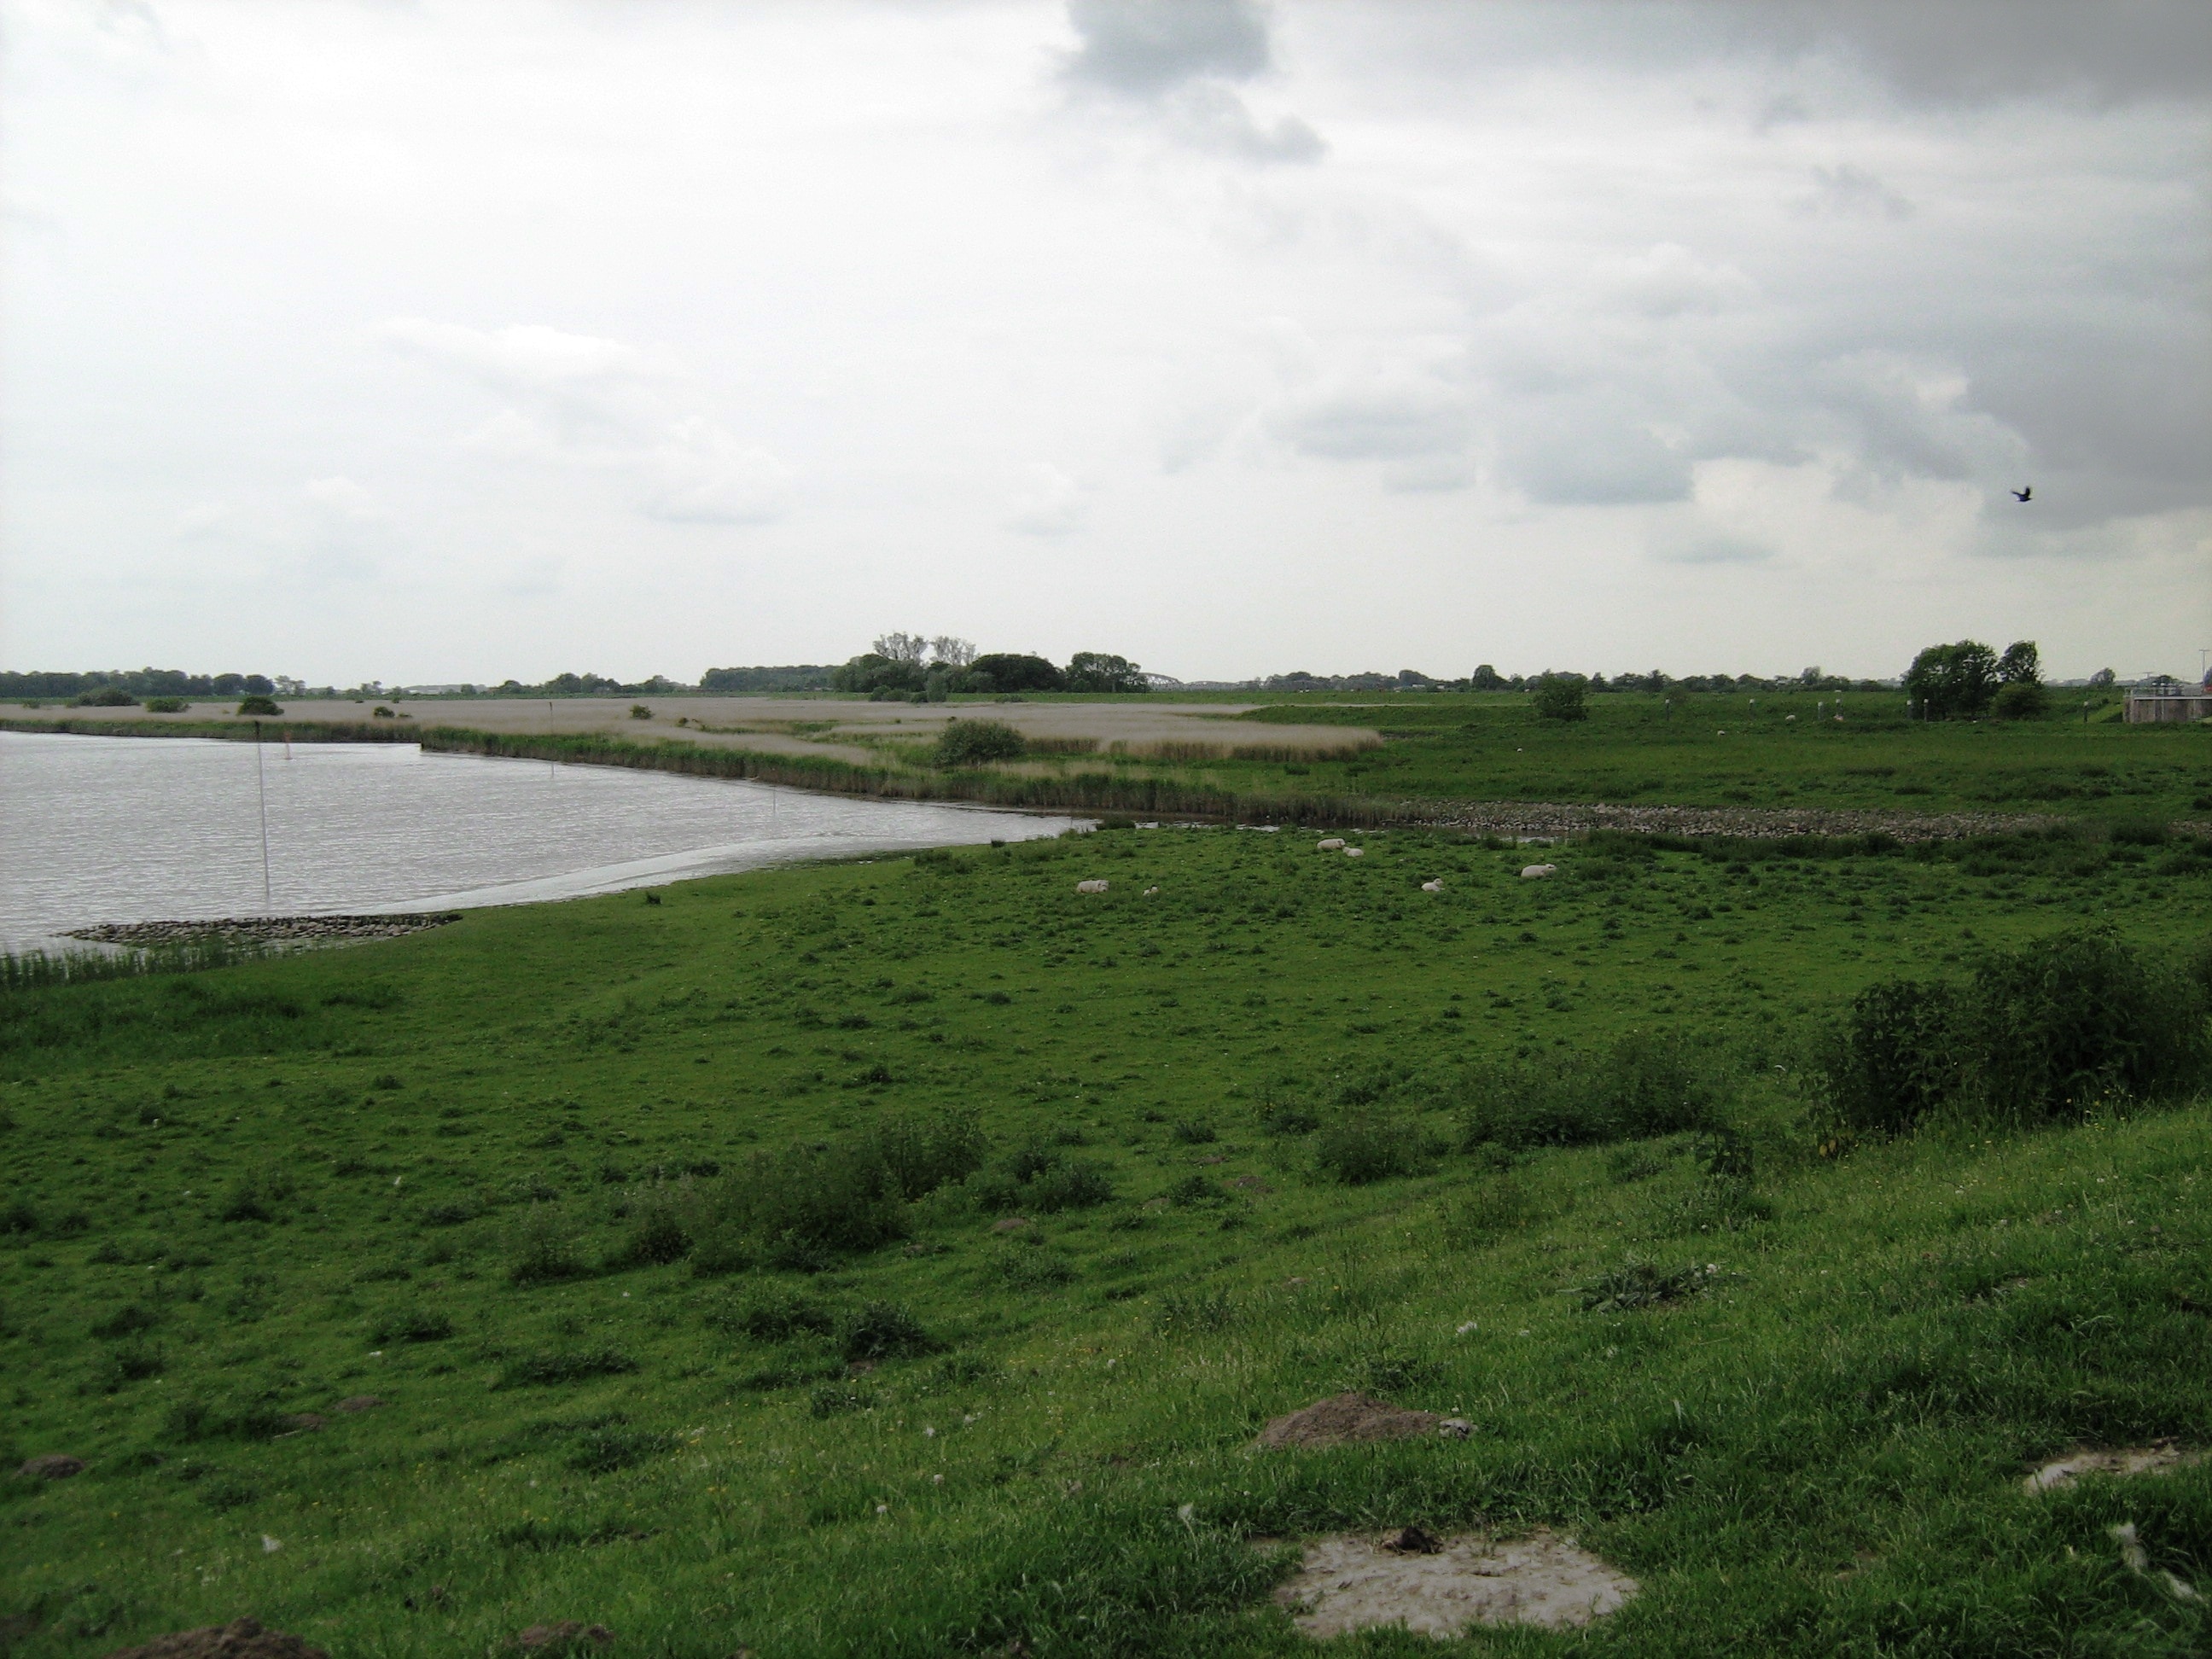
<point x="1551" y="818"/>
<point x="262" y="930"/>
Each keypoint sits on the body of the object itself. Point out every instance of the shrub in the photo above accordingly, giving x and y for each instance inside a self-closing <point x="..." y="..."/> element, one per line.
<point x="604" y="1451"/>
<point x="1194" y="1313"/>
<point x="1195" y="1189"/>
<point x="884" y="1330"/>
<point x="1194" y="1131"/>
<point x="838" y="1400"/>
<point x="657" y="1233"/>
<point x="1487" y="1213"/>
<point x="567" y="1365"/>
<point x="2052" y="1029"/>
<point x="2021" y="699"/>
<point x="106" y="697"/>
<point x="776" y="1316"/>
<point x="260" y="705"/>
<point x="1359" y="1147"/>
<point x="1646" y="1084"/>
<point x="1030" y="1267"/>
<point x="922" y="1154"/>
<point x="1559" y="697"/>
<point x="977" y="743"/>
<point x="166" y="705"/>
<point x="1635" y="1285"/>
<point x="1078" y="1184"/>
<point x="130" y="1319"/>
<point x="412" y="1324"/>
<point x="544" y="1247"/>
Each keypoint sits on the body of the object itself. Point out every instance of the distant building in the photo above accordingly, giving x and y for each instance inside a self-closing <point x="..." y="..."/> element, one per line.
<point x="2161" y="701"/>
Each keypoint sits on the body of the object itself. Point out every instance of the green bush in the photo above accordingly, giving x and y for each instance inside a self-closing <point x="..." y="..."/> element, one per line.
<point x="2055" y="1029"/>
<point x="977" y="743"/>
<point x="2021" y="699"/>
<point x="657" y="1232"/>
<point x="259" y="705"/>
<point x="545" y="1247"/>
<point x="776" y="1315"/>
<point x="922" y="1154"/>
<point x="166" y="705"/>
<point x="1646" y="1084"/>
<point x="1359" y="1147"/>
<point x="1559" y="697"/>
<point x="884" y="1330"/>
<point x="566" y="1365"/>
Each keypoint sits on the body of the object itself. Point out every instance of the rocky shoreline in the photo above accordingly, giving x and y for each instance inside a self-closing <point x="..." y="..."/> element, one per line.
<point x="262" y="930"/>
<point x="1750" y="822"/>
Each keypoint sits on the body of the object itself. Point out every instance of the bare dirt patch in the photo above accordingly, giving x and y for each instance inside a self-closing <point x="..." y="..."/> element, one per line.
<point x="241" y="1638"/>
<point x="2157" y="1458"/>
<point x="1438" y="1586"/>
<point x="1348" y="1419"/>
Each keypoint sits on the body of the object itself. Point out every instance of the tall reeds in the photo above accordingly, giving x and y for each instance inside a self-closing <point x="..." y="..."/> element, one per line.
<point x="32" y="970"/>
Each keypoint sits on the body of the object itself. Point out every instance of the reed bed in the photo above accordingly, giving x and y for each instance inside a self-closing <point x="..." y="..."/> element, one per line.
<point x="1280" y="753"/>
<point x="32" y="970"/>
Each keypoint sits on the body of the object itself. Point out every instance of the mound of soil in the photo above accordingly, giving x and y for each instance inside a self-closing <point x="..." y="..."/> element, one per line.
<point x="564" y="1635"/>
<point x="50" y="1466"/>
<point x="1356" y="1583"/>
<point x="358" y="1402"/>
<point x="241" y="1638"/>
<point x="2156" y="1458"/>
<point x="1344" y="1419"/>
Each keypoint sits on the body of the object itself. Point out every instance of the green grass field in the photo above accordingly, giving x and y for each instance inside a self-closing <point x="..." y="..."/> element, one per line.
<point x="452" y="1172"/>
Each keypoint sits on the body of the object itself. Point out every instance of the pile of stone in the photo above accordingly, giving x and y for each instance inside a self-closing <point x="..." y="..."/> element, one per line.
<point x="261" y="930"/>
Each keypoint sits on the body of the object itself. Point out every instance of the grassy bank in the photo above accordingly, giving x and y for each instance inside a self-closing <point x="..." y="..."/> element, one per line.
<point x="1775" y="764"/>
<point x="520" y="1181"/>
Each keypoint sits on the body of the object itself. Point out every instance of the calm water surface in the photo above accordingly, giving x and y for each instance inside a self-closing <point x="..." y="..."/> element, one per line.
<point x="159" y="829"/>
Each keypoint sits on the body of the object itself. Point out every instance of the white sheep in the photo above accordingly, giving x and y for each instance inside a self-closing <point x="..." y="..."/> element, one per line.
<point x="1534" y="871"/>
<point x="1436" y="886"/>
<point x="1331" y="844"/>
<point x="1090" y="886"/>
<point x="1355" y="852"/>
<point x="1149" y="892"/>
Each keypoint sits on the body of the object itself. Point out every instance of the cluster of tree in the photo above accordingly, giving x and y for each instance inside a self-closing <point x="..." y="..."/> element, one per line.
<point x="795" y="677"/>
<point x="1487" y="678"/>
<point x="1968" y="680"/>
<point x="589" y="686"/>
<point x="118" y="686"/>
<point x="907" y="665"/>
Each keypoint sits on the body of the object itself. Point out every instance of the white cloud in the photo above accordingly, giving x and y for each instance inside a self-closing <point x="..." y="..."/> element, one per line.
<point x="1050" y="504"/>
<point x="585" y="402"/>
<point x="1175" y="60"/>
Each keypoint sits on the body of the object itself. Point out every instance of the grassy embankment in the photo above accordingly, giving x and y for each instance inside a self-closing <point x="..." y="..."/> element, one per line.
<point x="442" y="1170"/>
<point x="1777" y="752"/>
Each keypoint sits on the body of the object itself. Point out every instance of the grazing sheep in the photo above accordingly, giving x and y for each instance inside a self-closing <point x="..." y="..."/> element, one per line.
<point x="1331" y="844"/>
<point x="1149" y="892"/>
<point x="1355" y="852"/>
<point x="1436" y="886"/>
<point x="1090" y="886"/>
<point x="1532" y="872"/>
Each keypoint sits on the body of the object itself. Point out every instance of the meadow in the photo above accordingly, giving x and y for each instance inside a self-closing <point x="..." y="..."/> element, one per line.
<point x="900" y="1257"/>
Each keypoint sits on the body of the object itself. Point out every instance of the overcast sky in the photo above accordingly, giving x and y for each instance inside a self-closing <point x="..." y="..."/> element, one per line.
<point x="444" y="341"/>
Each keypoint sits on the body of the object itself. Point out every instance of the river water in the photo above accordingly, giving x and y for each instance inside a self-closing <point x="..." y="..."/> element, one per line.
<point x="96" y="829"/>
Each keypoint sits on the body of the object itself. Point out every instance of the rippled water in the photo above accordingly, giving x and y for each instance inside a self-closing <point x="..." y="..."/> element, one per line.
<point x="158" y="829"/>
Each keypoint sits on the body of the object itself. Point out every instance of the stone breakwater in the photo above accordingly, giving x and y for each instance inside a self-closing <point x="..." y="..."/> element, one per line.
<point x="262" y="930"/>
<point x="1553" y="818"/>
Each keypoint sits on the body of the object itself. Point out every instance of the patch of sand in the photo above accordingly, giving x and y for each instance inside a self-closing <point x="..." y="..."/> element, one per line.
<point x="2157" y="1458"/>
<point x="1357" y="1582"/>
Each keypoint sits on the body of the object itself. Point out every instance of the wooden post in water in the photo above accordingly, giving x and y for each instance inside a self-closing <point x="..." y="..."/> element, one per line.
<point x="261" y="794"/>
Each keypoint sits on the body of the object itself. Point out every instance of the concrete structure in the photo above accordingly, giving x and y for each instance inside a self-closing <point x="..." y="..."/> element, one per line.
<point x="2158" y="701"/>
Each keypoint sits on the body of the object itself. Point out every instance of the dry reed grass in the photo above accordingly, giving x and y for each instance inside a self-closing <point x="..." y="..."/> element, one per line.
<point x="1291" y="753"/>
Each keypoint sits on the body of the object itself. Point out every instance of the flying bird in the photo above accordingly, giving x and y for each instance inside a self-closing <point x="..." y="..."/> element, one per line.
<point x="2027" y="493"/>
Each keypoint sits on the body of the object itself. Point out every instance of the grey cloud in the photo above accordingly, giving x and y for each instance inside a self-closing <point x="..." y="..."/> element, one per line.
<point x="1849" y="192"/>
<point x="1711" y="549"/>
<point x="1143" y="48"/>
<point x="1174" y="57"/>
<point x="1926" y="51"/>
<point x="1574" y="456"/>
<point x="1374" y="423"/>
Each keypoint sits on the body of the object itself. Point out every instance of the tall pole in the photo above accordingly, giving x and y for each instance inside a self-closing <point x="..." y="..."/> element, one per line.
<point x="261" y="793"/>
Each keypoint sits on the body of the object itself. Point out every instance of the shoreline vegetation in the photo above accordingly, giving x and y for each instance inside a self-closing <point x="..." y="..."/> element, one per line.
<point x="1900" y="779"/>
